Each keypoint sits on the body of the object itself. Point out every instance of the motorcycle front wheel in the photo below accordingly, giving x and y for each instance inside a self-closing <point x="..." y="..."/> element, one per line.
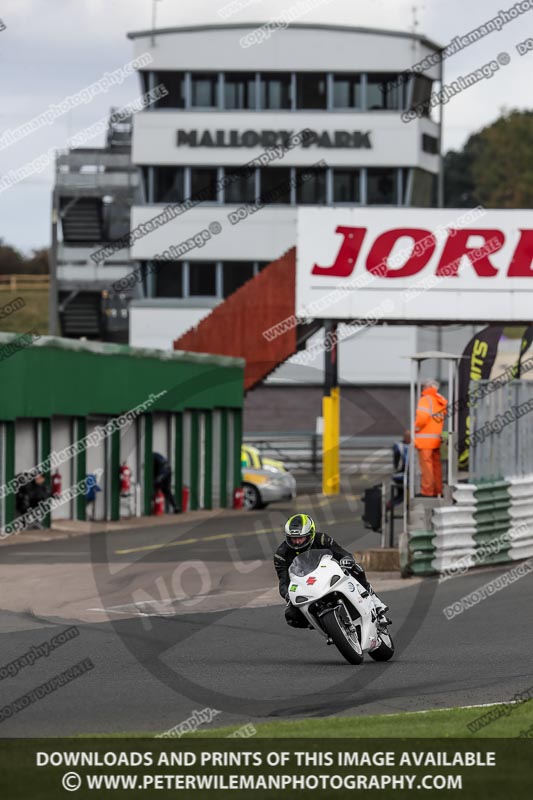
<point x="345" y="640"/>
<point x="386" y="649"/>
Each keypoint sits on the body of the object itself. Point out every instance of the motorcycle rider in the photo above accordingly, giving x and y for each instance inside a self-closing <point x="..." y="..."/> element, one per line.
<point x="301" y="535"/>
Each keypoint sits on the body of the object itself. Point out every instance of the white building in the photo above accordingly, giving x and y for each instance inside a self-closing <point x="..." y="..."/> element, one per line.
<point x="226" y="105"/>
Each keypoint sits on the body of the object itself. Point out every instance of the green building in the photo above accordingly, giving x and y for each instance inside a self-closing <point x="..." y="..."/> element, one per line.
<point x="86" y="408"/>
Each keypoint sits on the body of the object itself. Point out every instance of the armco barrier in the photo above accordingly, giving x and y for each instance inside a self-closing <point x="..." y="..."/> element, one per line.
<point x="491" y="522"/>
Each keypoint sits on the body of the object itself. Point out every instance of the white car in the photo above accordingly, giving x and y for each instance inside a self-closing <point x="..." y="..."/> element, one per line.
<point x="263" y="480"/>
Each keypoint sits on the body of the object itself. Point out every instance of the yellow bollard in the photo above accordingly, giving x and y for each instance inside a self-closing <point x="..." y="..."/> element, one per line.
<point x="335" y="445"/>
<point x="330" y="443"/>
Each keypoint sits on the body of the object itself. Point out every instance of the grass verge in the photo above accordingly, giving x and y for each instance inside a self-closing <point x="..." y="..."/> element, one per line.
<point x="32" y="317"/>
<point x="516" y="719"/>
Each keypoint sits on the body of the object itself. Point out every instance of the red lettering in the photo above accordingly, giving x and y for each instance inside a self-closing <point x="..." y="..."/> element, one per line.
<point x="423" y="249"/>
<point x="457" y="246"/>
<point x="520" y="266"/>
<point x="344" y="264"/>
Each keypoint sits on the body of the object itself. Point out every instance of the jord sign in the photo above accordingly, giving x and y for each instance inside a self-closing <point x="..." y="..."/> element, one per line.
<point x="265" y="139"/>
<point x="448" y="265"/>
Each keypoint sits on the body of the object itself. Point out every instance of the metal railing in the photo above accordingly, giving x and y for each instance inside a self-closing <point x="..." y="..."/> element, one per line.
<point x="501" y="431"/>
<point x="97" y="180"/>
<point x="302" y="452"/>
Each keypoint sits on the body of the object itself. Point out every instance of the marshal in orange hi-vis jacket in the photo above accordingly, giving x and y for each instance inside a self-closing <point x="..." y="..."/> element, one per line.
<point x="429" y="422"/>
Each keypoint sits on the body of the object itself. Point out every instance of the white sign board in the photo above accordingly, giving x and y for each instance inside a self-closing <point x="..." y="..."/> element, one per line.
<point x="415" y="265"/>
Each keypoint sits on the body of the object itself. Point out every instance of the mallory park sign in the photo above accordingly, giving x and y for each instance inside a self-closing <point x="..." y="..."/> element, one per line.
<point x="328" y="139"/>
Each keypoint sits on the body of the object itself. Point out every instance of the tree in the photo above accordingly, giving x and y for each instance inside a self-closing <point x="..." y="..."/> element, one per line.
<point x="11" y="260"/>
<point x="495" y="167"/>
<point x="38" y="263"/>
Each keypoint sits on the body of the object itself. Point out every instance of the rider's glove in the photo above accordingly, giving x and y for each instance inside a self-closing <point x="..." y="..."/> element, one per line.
<point x="347" y="562"/>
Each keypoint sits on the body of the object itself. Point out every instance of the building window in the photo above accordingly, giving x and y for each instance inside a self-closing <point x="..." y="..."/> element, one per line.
<point x="168" y="279"/>
<point x="383" y="93"/>
<point x="145" y="172"/>
<point x="239" y="91"/>
<point x="421" y="94"/>
<point x="430" y="144"/>
<point x="144" y="75"/>
<point x="235" y="273"/>
<point x="204" y="184"/>
<point x="275" y="91"/>
<point x="174" y="83"/>
<point x="168" y="184"/>
<point x="382" y="187"/>
<point x="311" y="90"/>
<point x="346" y="91"/>
<point x="202" y="279"/>
<point x="239" y="185"/>
<point x="311" y="186"/>
<point x="424" y="188"/>
<point x="346" y="186"/>
<point x="404" y="185"/>
<point x="204" y="89"/>
<point x="275" y="185"/>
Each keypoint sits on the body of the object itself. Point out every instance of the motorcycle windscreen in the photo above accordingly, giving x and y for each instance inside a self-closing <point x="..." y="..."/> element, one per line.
<point x="307" y="562"/>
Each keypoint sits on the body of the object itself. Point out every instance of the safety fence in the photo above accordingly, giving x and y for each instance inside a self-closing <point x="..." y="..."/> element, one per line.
<point x="491" y="519"/>
<point x="302" y="452"/>
<point x="491" y="522"/>
<point x="501" y="430"/>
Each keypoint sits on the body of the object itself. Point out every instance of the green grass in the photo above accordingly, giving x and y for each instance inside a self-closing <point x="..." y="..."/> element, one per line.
<point x="32" y="317"/>
<point x="446" y="723"/>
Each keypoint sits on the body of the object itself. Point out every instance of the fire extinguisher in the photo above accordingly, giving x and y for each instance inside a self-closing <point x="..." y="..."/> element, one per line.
<point x="125" y="479"/>
<point x="56" y="484"/>
<point x="159" y="503"/>
<point x="184" y="498"/>
<point x="238" y="497"/>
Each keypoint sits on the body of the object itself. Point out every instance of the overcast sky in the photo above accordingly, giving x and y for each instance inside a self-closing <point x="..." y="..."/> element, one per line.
<point x="53" y="48"/>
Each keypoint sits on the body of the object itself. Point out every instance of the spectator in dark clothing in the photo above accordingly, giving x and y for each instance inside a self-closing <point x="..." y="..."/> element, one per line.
<point x="163" y="480"/>
<point x="31" y="495"/>
<point x="22" y="498"/>
<point x="400" y="458"/>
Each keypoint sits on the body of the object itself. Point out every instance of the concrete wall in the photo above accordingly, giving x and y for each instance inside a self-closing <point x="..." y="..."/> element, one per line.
<point x="26" y="454"/>
<point x="153" y="323"/>
<point x="96" y="460"/>
<point x="394" y="144"/>
<point x="61" y="438"/>
<point x="294" y="48"/>
<point x="365" y="411"/>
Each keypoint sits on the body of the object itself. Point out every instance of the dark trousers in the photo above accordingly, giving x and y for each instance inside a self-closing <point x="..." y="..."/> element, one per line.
<point x="164" y="483"/>
<point x="295" y="618"/>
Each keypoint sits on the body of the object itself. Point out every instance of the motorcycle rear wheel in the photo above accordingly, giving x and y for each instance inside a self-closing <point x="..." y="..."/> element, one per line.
<point x="346" y="642"/>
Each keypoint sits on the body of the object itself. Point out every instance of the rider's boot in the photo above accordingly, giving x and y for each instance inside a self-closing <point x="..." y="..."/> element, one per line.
<point x="381" y="609"/>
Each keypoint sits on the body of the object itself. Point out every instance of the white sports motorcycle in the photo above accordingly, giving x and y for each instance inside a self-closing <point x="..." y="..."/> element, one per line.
<point x="338" y="607"/>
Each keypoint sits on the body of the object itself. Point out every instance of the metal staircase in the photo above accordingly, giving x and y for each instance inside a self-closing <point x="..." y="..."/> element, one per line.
<point x="81" y="316"/>
<point x="82" y="220"/>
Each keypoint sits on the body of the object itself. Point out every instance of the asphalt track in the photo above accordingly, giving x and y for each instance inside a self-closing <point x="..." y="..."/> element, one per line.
<point x="183" y="617"/>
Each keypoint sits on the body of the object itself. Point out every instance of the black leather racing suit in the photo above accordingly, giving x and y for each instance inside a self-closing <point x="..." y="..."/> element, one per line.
<point x="285" y="555"/>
